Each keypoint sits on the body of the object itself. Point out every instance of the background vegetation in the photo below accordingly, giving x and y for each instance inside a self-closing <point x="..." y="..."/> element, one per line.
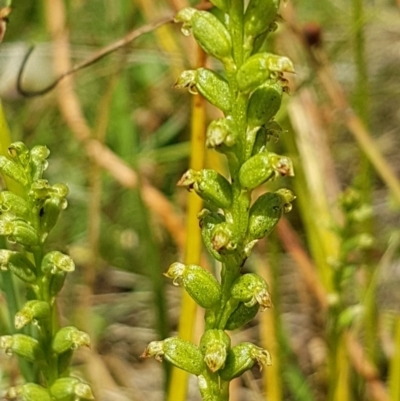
<point x="119" y="136"/>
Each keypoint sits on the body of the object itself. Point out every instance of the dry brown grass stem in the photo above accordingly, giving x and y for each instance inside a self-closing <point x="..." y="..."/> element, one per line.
<point x="72" y="113"/>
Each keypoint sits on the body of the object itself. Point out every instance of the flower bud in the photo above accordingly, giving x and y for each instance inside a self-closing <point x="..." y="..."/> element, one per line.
<point x="200" y="284"/>
<point x="22" y="345"/>
<point x="251" y="289"/>
<point x="30" y="392"/>
<point x="208" y="222"/>
<point x="19" y="264"/>
<point x="221" y="4"/>
<point x="19" y="153"/>
<point x="253" y="24"/>
<point x="209" y="32"/>
<point x="24" y="234"/>
<point x="243" y="357"/>
<point x="32" y="311"/>
<point x="209" y="185"/>
<point x="214" y="345"/>
<point x="241" y="315"/>
<point x="181" y="353"/>
<point x="40" y="190"/>
<point x="264" y="104"/>
<point x="221" y="134"/>
<point x="266" y="212"/>
<point x="39" y="164"/>
<point x="13" y="170"/>
<point x="210" y="84"/>
<point x="68" y="338"/>
<point x="222" y="238"/>
<point x="56" y="261"/>
<point x="49" y="214"/>
<point x="258" y="68"/>
<point x="263" y="167"/>
<point x="14" y="204"/>
<point x="70" y="389"/>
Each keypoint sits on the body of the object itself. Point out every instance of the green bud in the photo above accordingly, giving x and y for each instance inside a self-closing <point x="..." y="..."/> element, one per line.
<point x="266" y="133"/>
<point x="221" y="4"/>
<point x="49" y="214"/>
<point x="241" y="315"/>
<point x="258" y="68"/>
<point x="181" y="353"/>
<point x="251" y="289"/>
<point x="264" y="104"/>
<point x="56" y="265"/>
<point x="14" y="204"/>
<point x="18" y="230"/>
<point x="68" y="338"/>
<point x="208" y="222"/>
<point x="13" y="170"/>
<point x="263" y="167"/>
<point x="39" y="164"/>
<point x="254" y="25"/>
<point x="200" y="284"/>
<point x="29" y="392"/>
<point x="22" y="345"/>
<point x="209" y="32"/>
<point x="24" y="234"/>
<point x="56" y="261"/>
<point x="16" y="262"/>
<point x="40" y="190"/>
<point x="210" y="84"/>
<point x="214" y="345"/>
<point x="222" y="238"/>
<point x="266" y="212"/>
<point x="32" y="311"/>
<point x="209" y="185"/>
<point x="243" y="357"/>
<point x="70" y="389"/>
<point x="221" y="134"/>
<point x="19" y="153"/>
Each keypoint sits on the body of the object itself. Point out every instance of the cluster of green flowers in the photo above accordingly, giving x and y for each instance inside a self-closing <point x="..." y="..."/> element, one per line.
<point x="249" y="94"/>
<point x="27" y="215"/>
